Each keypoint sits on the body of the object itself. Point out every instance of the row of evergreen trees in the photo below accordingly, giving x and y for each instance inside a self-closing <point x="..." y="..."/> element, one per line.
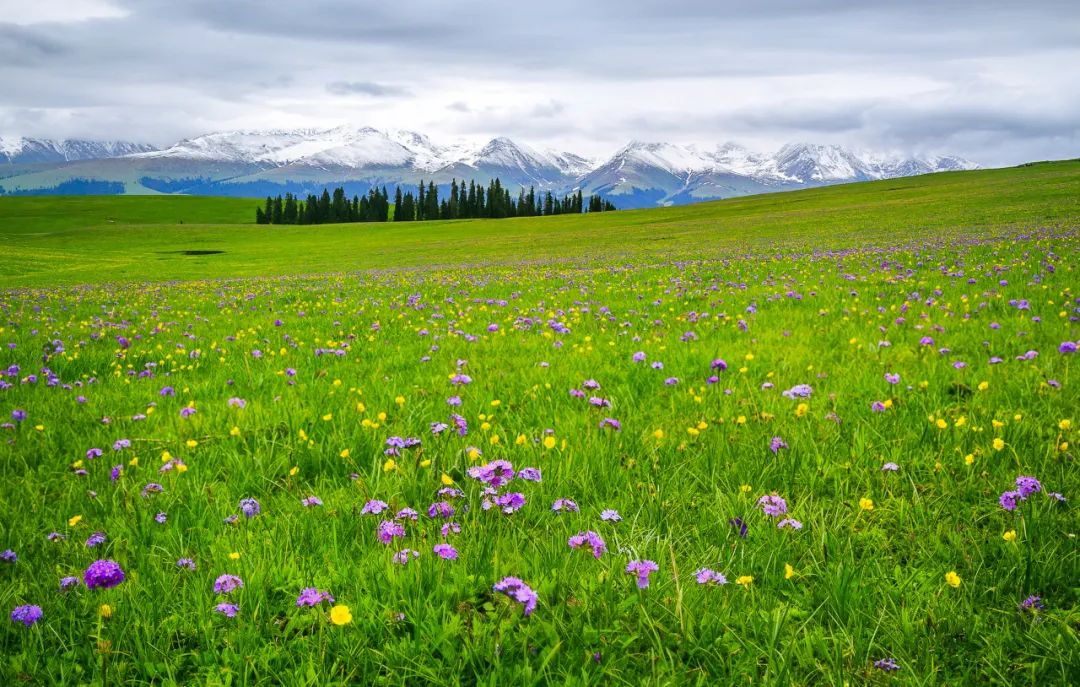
<point x="464" y="202"/>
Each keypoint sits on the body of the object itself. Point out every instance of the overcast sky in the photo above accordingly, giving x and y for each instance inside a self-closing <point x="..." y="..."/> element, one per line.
<point x="998" y="82"/>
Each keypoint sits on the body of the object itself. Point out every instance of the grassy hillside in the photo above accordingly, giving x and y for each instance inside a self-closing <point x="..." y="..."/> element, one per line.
<point x="56" y="240"/>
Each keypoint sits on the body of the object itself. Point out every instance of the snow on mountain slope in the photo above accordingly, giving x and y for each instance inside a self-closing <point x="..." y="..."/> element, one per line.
<point x="36" y="150"/>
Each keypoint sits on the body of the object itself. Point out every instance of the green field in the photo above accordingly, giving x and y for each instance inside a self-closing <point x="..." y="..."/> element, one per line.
<point x="50" y="240"/>
<point x="839" y="426"/>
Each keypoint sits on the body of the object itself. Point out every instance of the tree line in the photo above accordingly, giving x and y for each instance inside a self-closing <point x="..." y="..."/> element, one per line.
<point x="464" y="202"/>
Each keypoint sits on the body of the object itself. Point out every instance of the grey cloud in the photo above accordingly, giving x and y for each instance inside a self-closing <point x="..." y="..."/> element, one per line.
<point x="365" y="88"/>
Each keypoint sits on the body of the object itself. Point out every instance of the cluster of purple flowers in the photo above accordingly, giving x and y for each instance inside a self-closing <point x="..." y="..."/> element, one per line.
<point x="595" y="542"/>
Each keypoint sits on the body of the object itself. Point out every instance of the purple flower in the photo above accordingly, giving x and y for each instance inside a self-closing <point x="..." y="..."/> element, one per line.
<point x="449" y="528"/>
<point x="390" y="530"/>
<point x="186" y="563"/>
<point x="18" y="415"/>
<point x="612" y="423"/>
<point x="226" y="584"/>
<point x="311" y="501"/>
<point x="789" y="522"/>
<point x="509" y="502"/>
<point x="103" y="574"/>
<point x="227" y="609"/>
<point x="1032" y="604"/>
<point x="374" y="507"/>
<point x="445" y="552"/>
<point x="404" y="556"/>
<point x="310" y="596"/>
<point x="642" y="568"/>
<point x="610" y="515"/>
<point x="1067" y="347"/>
<point x="160" y="518"/>
<point x="776" y="443"/>
<point x="564" y="506"/>
<point x="250" y="507"/>
<point x="440" y="509"/>
<point x="638" y="357"/>
<point x="8" y="556"/>
<point x="890" y="467"/>
<point x="889" y="665"/>
<point x="517" y="590"/>
<point x="529" y="474"/>
<point x="115" y="473"/>
<point x="592" y="539"/>
<point x="798" y="391"/>
<point x="1010" y="499"/>
<point x="718" y="364"/>
<point x="407" y="514"/>
<point x="121" y="444"/>
<point x="892" y="378"/>
<point x="494" y="474"/>
<point x="187" y="411"/>
<point x="95" y="539"/>
<point x="94" y="453"/>
<point x="68" y="582"/>
<point x="1027" y="486"/>
<point x="772" y="505"/>
<point x="27" y="615"/>
<point x="878" y="407"/>
<point x="707" y="576"/>
<point x="235" y="402"/>
<point x="738" y="524"/>
<point x="152" y="488"/>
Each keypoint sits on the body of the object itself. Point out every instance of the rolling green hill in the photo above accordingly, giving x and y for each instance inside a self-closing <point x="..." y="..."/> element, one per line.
<point x="74" y="240"/>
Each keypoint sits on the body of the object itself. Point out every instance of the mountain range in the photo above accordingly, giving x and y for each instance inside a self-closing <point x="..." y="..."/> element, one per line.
<point x="302" y="161"/>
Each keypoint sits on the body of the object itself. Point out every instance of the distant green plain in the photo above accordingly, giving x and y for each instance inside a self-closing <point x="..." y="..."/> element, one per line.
<point x="80" y="240"/>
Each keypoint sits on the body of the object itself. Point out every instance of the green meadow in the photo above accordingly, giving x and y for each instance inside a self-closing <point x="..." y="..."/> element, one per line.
<point x="819" y="437"/>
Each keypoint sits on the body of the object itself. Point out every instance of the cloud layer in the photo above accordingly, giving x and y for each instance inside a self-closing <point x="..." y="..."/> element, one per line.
<point x="993" y="81"/>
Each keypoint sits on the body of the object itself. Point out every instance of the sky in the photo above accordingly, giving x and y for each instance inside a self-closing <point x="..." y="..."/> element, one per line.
<point x="996" y="82"/>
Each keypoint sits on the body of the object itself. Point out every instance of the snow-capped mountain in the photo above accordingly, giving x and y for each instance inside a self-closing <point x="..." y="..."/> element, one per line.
<point x="18" y="150"/>
<point x="644" y="173"/>
<point x="257" y="163"/>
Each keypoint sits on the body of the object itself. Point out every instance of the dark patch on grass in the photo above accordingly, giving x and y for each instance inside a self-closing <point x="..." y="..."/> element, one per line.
<point x="192" y="252"/>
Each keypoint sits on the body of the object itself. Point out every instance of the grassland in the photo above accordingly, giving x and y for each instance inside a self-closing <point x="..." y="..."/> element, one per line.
<point x="50" y="241"/>
<point x="838" y="426"/>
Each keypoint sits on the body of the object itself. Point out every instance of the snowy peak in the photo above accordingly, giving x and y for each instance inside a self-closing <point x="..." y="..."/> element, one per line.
<point x="37" y="150"/>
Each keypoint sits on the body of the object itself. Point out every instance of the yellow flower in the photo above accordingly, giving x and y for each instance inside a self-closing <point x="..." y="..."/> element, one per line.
<point x="235" y="431"/>
<point x="866" y="504"/>
<point x="166" y="456"/>
<point x="952" y="579"/>
<point x="234" y="556"/>
<point x="1009" y="536"/>
<point x="106" y="611"/>
<point x="340" y="615"/>
<point x="741" y="420"/>
<point x="789" y="572"/>
<point x="941" y="424"/>
<point x="134" y="462"/>
<point x="801" y="409"/>
<point x="191" y="443"/>
<point x="447" y="480"/>
<point x="745" y="580"/>
<point x="1065" y="425"/>
<point x="382" y="417"/>
<point x="295" y="469"/>
<point x="983" y="386"/>
<point x="999" y="444"/>
<point x="400" y="400"/>
<point x="520" y="440"/>
<point x="494" y="440"/>
<point x="344" y="453"/>
<point x="549" y="442"/>
<point x="74" y="520"/>
<point x="389" y="465"/>
<point x="969" y="459"/>
<point x="328" y="417"/>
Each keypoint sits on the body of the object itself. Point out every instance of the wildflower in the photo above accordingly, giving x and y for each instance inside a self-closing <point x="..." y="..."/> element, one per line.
<point x="160" y="518"/>
<point x="1009" y="500"/>
<point x="1032" y="604"/>
<point x="250" y="507"/>
<point x="389" y="530"/>
<point x="517" y="590"/>
<point x="445" y="551"/>
<point x="310" y="596"/>
<point x="404" y="556"/>
<point x="642" y="568"/>
<point x="1009" y="536"/>
<point x="744" y="580"/>
<point x="105" y="610"/>
<point x="890" y="467"/>
<point x="610" y="515"/>
<point x="152" y="488"/>
<point x="549" y="442"/>
<point x="226" y="584"/>
<point x="998" y="444"/>
<point x="9" y="556"/>
<point x="227" y="609"/>
<point x="789" y="572"/>
<point x="440" y="509"/>
<point x="1027" y="486"/>
<point x="68" y="582"/>
<point x="374" y="507"/>
<point x="707" y="576"/>
<point x="311" y="501"/>
<point x="592" y="539"/>
<point x="564" y="506"/>
<point x="186" y="563"/>
<point x="407" y="514"/>
<point x="776" y="443"/>
<point x="340" y="615"/>
<point x="889" y="665"/>
<point x="529" y="474"/>
<point x="789" y="522"/>
<point x="449" y="528"/>
<point x="866" y="504"/>
<point x="104" y="574"/>
<point x="798" y="391"/>
<point x="772" y="505"/>
<point x="738" y="524"/>
<point x="27" y="615"/>
<point x="952" y="579"/>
